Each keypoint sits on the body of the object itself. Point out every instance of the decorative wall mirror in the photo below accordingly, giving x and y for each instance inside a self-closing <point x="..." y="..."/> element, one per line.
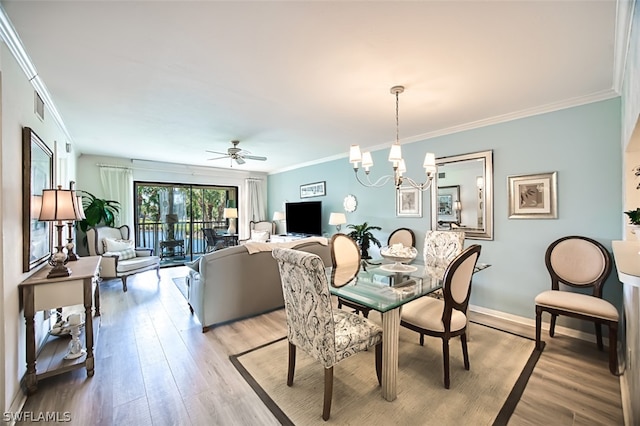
<point x="464" y="196"/>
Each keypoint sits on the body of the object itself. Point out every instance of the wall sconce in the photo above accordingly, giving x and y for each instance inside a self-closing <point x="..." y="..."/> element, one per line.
<point x="457" y="206"/>
<point x="231" y="214"/>
<point x="337" y="219"/>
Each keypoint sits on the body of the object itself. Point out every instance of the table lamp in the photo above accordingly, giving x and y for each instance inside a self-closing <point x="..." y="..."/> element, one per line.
<point x="337" y="219"/>
<point x="231" y="214"/>
<point x="59" y="205"/>
<point x="80" y="215"/>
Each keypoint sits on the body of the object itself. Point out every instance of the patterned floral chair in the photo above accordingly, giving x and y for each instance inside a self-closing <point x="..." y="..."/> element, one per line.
<point x="326" y="334"/>
<point x="446" y="318"/>
<point x="440" y="248"/>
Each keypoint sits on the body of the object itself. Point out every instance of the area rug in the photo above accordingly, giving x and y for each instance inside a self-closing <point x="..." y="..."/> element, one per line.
<point x="501" y="364"/>
<point x="181" y="283"/>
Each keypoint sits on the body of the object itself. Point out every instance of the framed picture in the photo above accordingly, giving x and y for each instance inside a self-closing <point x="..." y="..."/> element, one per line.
<point x="408" y="202"/>
<point x="37" y="172"/>
<point x="533" y="196"/>
<point x="447" y="200"/>
<point x="316" y="189"/>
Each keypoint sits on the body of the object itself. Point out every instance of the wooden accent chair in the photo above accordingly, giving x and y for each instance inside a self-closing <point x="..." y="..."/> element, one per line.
<point x="579" y="262"/>
<point x="446" y="318"/>
<point x="346" y="261"/>
<point x="404" y="236"/>
<point x="326" y="334"/>
<point x="120" y="258"/>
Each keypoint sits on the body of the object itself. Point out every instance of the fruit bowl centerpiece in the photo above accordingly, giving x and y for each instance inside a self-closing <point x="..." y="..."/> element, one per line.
<point x="400" y="255"/>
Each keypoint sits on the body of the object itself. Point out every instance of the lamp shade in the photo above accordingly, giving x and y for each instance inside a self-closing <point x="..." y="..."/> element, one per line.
<point x="80" y="211"/>
<point x="337" y="219"/>
<point x="230" y="213"/>
<point x="278" y="216"/>
<point x="355" y="156"/>
<point x="58" y="204"/>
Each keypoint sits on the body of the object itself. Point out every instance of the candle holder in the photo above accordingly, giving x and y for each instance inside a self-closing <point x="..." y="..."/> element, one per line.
<point x="75" y="345"/>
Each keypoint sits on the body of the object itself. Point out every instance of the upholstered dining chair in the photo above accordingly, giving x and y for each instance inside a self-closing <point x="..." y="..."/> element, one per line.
<point x="326" y="334"/>
<point x="446" y="318"/>
<point x="441" y="247"/>
<point x="579" y="262"/>
<point x="346" y="261"/>
<point x="405" y="236"/>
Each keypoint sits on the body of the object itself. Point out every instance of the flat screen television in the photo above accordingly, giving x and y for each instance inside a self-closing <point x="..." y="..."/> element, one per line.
<point x="304" y="218"/>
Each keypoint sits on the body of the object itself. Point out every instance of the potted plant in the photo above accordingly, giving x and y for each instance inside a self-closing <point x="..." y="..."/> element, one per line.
<point x="362" y="235"/>
<point x="634" y="221"/>
<point x="97" y="211"/>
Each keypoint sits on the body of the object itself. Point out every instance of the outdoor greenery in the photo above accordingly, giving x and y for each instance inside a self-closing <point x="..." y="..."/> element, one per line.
<point x="362" y="235"/>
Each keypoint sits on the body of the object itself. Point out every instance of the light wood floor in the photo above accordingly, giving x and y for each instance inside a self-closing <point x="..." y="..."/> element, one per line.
<point x="154" y="366"/>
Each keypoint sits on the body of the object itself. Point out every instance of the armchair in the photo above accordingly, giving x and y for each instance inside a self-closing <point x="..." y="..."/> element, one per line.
<point x="260" y="231"/>
<point x="120" y="258"/>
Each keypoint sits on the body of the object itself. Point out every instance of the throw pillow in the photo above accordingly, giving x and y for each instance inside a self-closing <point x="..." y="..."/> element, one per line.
<point x="260" y="236"/>
<point x="125" y="254"/>
<point x="195" y="265"/>
<point x="113" y="245"/>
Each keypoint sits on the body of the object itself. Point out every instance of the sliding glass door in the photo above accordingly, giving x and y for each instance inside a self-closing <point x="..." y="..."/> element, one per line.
<point x="171" y="218"/>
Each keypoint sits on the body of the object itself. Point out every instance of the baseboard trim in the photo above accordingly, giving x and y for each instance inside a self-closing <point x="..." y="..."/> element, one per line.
<point x="503" y="316"/>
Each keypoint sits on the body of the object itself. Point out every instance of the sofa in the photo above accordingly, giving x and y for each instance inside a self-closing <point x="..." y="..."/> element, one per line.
<point x="231" y="283"/>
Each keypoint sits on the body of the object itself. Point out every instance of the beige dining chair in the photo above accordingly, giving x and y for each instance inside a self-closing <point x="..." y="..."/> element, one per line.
<point x="328" y="335"/>
<point x="579" y="262"/>
<point x="346" y="261"/>
<point x="404" y="236"/>
<point x="446" y="318"/>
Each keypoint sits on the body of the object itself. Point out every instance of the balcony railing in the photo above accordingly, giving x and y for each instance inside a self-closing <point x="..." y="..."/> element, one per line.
<point x="156" y="235"/>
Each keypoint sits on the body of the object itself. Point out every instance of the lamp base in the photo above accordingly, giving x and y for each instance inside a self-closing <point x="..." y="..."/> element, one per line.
<point x="59" y="270"/>
<point x="232" y="227"/>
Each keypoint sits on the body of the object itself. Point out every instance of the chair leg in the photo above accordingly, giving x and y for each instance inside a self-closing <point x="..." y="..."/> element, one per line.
<point x="124" y="283"/>
<point x="538" y="327"/>
<point x="552" y="326"/>
<point x="599" y="336"/>
<point x="339" y="304"/>
<point x="292" y="363"/>
<point x="445" y="357"/>
<point x="158" y="271"/>
<point x="465" y="351"/>
<point x="421" y="339"/>
<point x="379" y="362"/>
<point x="365" y="313"/>
<point x="328" y="393"/>
<point x="613" y="348"/>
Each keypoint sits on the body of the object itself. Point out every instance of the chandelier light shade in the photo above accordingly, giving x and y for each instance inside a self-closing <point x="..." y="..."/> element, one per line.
<point x="337" y="219"/>
<point x="356" y="156"/>
<point x="59" y="205"/>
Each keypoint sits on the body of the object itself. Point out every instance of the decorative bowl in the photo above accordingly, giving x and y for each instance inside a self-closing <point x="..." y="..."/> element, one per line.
<point x="398" y="253"/>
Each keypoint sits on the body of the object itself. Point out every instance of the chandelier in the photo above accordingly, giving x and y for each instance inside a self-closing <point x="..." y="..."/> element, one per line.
<point x="395" y="157"/>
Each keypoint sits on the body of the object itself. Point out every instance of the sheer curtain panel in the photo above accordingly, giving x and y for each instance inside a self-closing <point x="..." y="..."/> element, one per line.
<point x="117" y="183"/>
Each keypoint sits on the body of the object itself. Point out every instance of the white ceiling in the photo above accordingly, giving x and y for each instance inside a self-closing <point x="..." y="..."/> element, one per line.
<point x="300" y="81"/>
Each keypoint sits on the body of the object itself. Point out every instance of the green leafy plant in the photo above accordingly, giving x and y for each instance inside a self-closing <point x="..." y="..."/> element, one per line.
<point x="634" y="216"/>
<point x="362" y="235"/>
<point x="97" y="211"/>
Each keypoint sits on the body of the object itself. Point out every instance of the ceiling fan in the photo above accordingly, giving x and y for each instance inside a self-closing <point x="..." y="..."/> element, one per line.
<point x="237" y="154"/>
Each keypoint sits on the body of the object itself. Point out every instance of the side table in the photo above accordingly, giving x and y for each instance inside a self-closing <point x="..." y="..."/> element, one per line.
<point x="40" y="293"/>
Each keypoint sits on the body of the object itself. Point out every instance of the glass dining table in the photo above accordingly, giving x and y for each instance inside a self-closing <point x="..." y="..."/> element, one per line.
<point x="385" y="288"/>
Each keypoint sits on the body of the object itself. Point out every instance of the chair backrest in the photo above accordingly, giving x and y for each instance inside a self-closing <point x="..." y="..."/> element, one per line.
<point x="578" y="262"/>
<point x="263" y="225"/>
<point x="441" y="247"/>
<point x="96" y="235"/>
<point x="456" y="288"/>
<point x="307" y="303"/>
<point x="404" y="236"/>
<point x="345" y="259"/>
<point x="211" y="237"/>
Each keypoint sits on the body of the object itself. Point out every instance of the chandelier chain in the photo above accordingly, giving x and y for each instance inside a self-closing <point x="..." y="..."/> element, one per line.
<point x="397" y="120"/>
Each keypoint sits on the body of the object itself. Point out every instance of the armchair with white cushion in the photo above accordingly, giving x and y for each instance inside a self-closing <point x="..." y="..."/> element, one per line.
<point x="260" y="231"/>
<point x="120" y="257"/>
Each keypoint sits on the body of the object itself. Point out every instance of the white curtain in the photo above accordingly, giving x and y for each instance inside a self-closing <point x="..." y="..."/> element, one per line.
<point x="117" y="183"/>
<point x="257" y="208"/>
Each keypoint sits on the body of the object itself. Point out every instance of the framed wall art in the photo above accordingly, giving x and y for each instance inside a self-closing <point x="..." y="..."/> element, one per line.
<point x="533" y="196"/>
<point x="408" y="202"/>
<point x="316" y="189"/>
<point x="446" y="203"/>
<point x="37" y="174"/>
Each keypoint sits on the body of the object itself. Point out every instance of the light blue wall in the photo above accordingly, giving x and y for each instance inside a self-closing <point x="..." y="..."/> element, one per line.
<point x="583" y="144"/>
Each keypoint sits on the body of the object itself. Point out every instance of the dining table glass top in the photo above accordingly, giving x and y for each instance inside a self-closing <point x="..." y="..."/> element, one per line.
<point x="383" y="287"/>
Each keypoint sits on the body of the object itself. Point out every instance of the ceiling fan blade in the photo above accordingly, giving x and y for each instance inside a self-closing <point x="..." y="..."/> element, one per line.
<point x="216" y="152"/>
<point x="255" y="157"/>
<point x="217" y="158"/>
<point x="240" y="160"/>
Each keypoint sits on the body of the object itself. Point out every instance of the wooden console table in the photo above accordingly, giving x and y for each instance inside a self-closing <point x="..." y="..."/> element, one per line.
<point x="39" y="294"/>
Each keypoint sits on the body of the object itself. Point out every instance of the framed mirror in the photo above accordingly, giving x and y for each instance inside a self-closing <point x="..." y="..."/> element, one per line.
<point x="37" y="174"/>
<point x="464" y="196"/>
